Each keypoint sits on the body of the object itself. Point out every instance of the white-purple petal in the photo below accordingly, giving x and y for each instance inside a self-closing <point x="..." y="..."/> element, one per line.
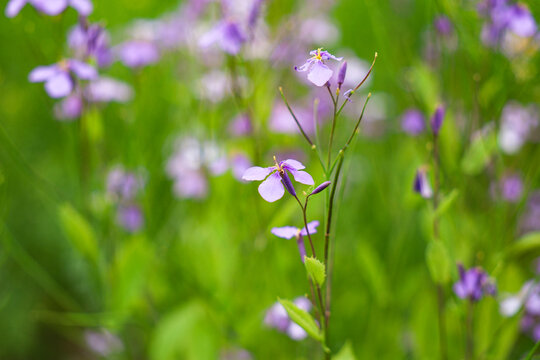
<point x="83" y="7"/>
<point x="306" y="66"/>
<point x="14" y="7"/>
<point x="59" y="85"/>
<point x="50" y="7"/>
<point x="319" y="73"/>
<point x="82" y="70"/>
<point x="42" y="73"/>
<point x="257" y="173"/>
<point x="285" y="232"/>
<point x="272" y="189"/>
<point x="311" y="226"/>
<point x="302" y="177"/>
<point x="294" y="164"/>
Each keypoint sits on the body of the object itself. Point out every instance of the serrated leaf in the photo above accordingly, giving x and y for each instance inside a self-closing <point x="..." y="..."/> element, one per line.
<point x="78" y="231"/>
<point x="346" y="352"/>
<point x="479" y="153"/>
<point x="438" y="262"/>
<point x="526" y="243"/>
<point x="315" y="270"/>
<point x="446" y="203"/>
<point x="303" y="319"/>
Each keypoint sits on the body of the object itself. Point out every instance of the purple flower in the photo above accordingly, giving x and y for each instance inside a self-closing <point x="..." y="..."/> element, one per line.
<point x="288" y="232"/>
<point x="341" y="74"/>
<point x="412" y="122"/>
<point x="105" y="89"/>
<point x="130" y="217"/>
<point x="318" y="72"/>
<point x="473" y="284"/>
<point x="443" y="25"/>
<point x="138" y="53"/>
<point x="49" y="7"/>
<point x="320" y="188"/>
<point x="272" y="188"/>
<point x="228" y="34"/>
<point x="282" y="122"/>
<point x="240" y="125"/>
<point x="527" y="298"/>
<point x="277" y="318"/>
<point x="437" y="119"/>
<point x="421" y="184"/>
<point x="69" y="108"/>
<point x="531" y="218"/>
<point x="122" y="185"/>
<point x="511" y="187"/>
<point x="239" y="164"/>
<point x="103" y="342"/>
<point x="91" y="40"/>
<point x="254" y="13"/>
<point x="517" y="124"/>
<point x="58" y="77"/>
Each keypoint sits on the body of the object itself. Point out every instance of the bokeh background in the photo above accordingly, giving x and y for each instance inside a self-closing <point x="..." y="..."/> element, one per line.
<point x="193" y="277"/>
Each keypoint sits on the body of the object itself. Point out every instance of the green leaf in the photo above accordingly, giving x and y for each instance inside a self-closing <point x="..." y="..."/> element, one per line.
<point x="303" y="319"/>
<point x="438" y="262"/>
<point x="315" y="270"/>
<point x="526" y="243"/>
<point x="479" y="153"/>
<point x="78" y="231"/>
<point x="446" y="203"/>
<point x="346" y="352"/>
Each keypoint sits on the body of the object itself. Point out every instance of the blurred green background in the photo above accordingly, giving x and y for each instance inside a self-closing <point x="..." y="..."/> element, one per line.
<point x="199" y="276"/>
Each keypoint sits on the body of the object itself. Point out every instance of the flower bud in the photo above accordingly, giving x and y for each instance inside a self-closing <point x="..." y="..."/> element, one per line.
<point x="341" y="74"/>
<point x="320" y="188"/>
<point x="437" y="120"/>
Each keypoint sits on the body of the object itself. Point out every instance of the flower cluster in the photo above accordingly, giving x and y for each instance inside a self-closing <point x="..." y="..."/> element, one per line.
<point x="122" y="188"/>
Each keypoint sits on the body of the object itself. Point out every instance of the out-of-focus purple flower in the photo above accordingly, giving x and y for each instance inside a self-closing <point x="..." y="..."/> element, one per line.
<point x="130" y="217"/>
<point x="421" y="184"/>
<point x="318" y="30"/>
<point x="69" y="108"/>
<point x="318" y="72"/>
<point x="282" y="122"/>
<point x="254" y="13"/>
<point x="511" y="187"/>
<point x="240" y="125"/>
<point x="57" y="77"/>
<point x="103" y="343"/>
<point x="106" y="89"/>
<point x="123" y="185"/>
<point x="530" y="220"/>
<point x="288" y="232"/>
<point x="227" y="34"/>
<point x="91" y="40"/>
<point x="527" y="298"/>
<point x="443" y="25"/>
<point x="516" y="125"/>
<point x="473" y="284"/>
<point x="235" y="354"/>
<point x="138" y="53"/>
<point x="239" y="164"/>
<point x="277" y="318"/>
<point x="413" y="122"/>
<point x="49" y="7"/>
<point x="437" y="119"/>
<point x="521" y="22"/>
<point x="272" y="188"/>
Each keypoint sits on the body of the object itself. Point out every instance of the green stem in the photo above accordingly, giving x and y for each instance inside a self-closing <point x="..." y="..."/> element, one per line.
<point x="469" y="341"/>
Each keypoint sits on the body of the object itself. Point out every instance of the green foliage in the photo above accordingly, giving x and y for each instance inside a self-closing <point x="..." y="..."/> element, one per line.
<point x="315" y="270"/>
<point x="345" y="353"/>
<point x="439" y="262"/>
<point x="479" y="152"/>
<point x="78" y="231"/>
<point x="303" y="319"/>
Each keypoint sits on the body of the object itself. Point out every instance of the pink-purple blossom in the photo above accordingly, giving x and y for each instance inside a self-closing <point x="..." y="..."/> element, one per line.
<point x="59" y="77"/>
<point x="413" y="122"/>
<point x="473" y="284"/>
<point x="273" y="187"/>
<point x="277" y="318"/>
<point x="318" y="72"/>
<point x="422" y="185"/>
<point x="49" y="7"/>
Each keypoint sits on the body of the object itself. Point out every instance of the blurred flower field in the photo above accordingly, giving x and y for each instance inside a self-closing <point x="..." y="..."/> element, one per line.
<point x="270" y="179"/>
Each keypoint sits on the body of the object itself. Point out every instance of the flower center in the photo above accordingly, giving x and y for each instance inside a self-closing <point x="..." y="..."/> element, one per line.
<point x="63" y="64"/>
<point x="318" y="55"/>
<point x="279" y="168"/>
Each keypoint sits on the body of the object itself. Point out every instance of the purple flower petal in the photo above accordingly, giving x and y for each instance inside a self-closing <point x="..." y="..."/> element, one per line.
<point x="312" y="227"/>
<point x="257" y="173"/>
<point x="82" y="70"/>
<point x="302" y="177"/>
<point x="83" y="7"/>
<point x="293" y="164"/>
<point x="59" y="85"/>
<point x="319" y="74"/>
<point x="306" y="67"/>
<point x="50" y="7"/>
<point x="42" y="73"/>
<point x="286" y="181"/>
<point x="272" y="189"/>
<point x="14" y="7"/>
<point x="285" y="232"/>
